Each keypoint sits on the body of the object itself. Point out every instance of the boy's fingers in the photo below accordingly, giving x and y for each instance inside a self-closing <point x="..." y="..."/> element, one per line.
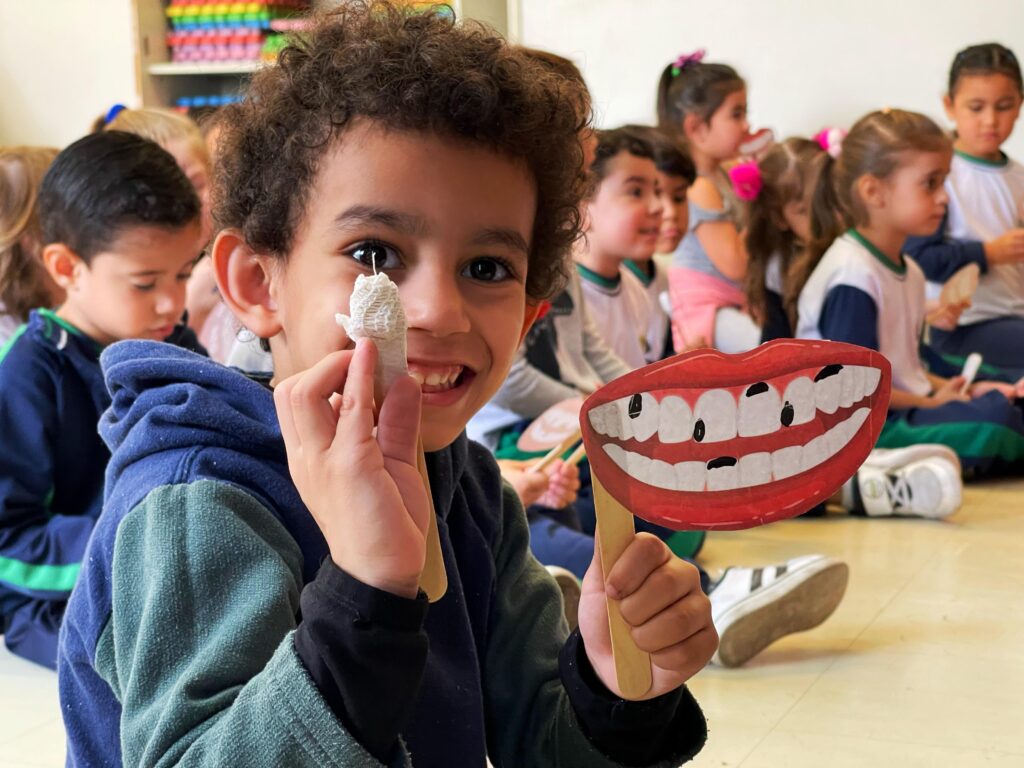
<point x="689" y="656"/>
<point x="673" y="582"/>
<point x="308" y="400"/>
<point x="355" y="412"/>
<point x="645" y="554"/>
<point x="679" y="621"/>
<point x="398" y="428"/>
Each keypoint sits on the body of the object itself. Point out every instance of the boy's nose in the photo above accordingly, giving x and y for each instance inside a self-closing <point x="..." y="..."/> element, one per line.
<point x="433" y="302"/>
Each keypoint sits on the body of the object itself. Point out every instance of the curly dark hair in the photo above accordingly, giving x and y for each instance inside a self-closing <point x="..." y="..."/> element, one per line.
<point x="406" y="70"/>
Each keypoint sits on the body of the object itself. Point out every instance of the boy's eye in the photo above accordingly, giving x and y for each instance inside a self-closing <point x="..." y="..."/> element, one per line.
<point x="375" y="255"/>
<point x="679" y="199"/>
<point x="144" y="286"/>
<point x="487" y="270"/>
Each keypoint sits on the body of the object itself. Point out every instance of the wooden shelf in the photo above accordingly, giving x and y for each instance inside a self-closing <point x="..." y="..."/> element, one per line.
<point x="213" y="68"/>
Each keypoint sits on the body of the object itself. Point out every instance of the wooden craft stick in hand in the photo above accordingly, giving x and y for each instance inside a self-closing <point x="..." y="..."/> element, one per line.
<point x="434" y="579"/>
<point x="555" y="452"/>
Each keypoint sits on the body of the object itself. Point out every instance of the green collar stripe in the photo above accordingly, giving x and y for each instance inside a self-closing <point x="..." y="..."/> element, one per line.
<point x="50" y="315"/>
<point x="641" y="274"/>
<point x="9" y="344"/>
<point x="38" y="578"/>
<point x="900" y="270"/>
<point x="592" y="276"/>
<point x="1002" y="162"/>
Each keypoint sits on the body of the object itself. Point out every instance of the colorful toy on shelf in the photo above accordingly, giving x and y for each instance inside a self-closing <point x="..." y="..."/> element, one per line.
<point x="186" y="103"/>
<point x="202" y="31"/>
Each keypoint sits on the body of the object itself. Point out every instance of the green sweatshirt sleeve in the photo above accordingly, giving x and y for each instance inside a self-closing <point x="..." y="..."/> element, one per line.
<point x="530" y="719"/>
<point x="199" y="649"/>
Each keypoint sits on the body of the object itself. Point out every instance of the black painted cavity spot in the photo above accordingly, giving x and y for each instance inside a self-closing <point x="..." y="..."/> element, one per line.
<point x="788" y="414"/>
<point x="757" y="389"/>
<point x="636" y="405"/>
<point x="828" y="370"/>
<point x="722" y="461"/>
<point x="699" y="430"/>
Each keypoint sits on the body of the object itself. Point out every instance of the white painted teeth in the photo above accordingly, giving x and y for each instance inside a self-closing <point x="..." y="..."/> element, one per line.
<point x="675" y="420"/>
<point x="800" y="395"/>
<point x="760" y="410"/>
<point x="720" y="415"/>
<point x="714" y="416"/>
<point x="748" y="471"/>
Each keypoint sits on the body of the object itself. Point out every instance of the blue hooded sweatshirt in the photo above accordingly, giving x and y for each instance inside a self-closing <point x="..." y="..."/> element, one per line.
<point x="209" y="627"/>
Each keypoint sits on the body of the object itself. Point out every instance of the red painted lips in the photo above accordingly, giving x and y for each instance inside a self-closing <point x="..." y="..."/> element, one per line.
<point x="707" y="440"/>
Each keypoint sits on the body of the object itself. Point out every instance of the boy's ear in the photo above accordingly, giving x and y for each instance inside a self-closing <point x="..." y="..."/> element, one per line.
<point x="245" y="282"/>
<point x="530" y="317"/>
<point x="64" y="265"/>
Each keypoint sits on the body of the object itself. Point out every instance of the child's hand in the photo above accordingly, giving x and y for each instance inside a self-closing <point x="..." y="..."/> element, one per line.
<point x="1008" y="248"/>
<point x="951" y="390"/>
<point x="529" y="486"/>
<point x="563" y="485"/>
<point x="1010" y="391"/>
<point x="946" y="316"/>
<point x="662" y="601"/>
<point x="363" y="490"/>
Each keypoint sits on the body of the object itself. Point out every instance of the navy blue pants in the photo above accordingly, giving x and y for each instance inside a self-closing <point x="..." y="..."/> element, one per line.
<point x="1000" y="342"/>
<point x="987" y="433"/>
<point x="31" y="629"/>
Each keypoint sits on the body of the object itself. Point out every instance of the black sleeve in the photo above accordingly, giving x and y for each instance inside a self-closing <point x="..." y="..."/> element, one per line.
<point x="940" y="258"/>
<point x="776" y="322"/>
<point x="366" y="650"/>
<point x="634" y="733"/>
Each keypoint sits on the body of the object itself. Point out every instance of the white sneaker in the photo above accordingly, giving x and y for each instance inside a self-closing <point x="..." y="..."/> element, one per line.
<point x="931" y="487"/>
<point x="571" y="593"/>
<point x="753" y="607"/>
<point x="894" y="458"/>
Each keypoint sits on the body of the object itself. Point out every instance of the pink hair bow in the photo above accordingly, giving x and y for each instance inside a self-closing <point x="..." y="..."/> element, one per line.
<point x="831" y="140"/>
<point x="746" y="180"/>
<point x="687" y="59"/>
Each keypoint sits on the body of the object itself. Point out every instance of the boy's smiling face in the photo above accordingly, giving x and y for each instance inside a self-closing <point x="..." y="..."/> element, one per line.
<point x="450" y="223"/>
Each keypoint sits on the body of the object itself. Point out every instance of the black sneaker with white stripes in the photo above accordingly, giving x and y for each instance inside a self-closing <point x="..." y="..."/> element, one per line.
<point x="753" y="607"/>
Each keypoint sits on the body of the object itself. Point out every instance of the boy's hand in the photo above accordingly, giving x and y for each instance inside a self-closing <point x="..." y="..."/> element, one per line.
<point x="529" y="486"/>
<point x="661" y="599"/>
<point x="563" y="485"/>
<point x="949" y="391"/>
<point x="363" y="490"/>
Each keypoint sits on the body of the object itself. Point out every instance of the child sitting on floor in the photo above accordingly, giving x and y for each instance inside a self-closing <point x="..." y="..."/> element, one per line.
<point x="120" y="225"/>
<point x="300" y="532"/>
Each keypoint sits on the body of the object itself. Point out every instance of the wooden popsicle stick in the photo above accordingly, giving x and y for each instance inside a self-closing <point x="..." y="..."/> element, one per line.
<point x="557" y="451"/>
<point x="615" y="532"/>
<point x="434" y="579"/>
<point x="578" y="455"/>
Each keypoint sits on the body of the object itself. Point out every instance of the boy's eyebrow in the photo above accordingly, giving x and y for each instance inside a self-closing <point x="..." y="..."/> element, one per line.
<point x="385" y="217"/>
<point x="506" y="237"/>
<point x="637" y="179"/>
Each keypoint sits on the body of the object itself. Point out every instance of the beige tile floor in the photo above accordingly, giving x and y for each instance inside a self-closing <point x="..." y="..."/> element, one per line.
<point x="922" y="666"/>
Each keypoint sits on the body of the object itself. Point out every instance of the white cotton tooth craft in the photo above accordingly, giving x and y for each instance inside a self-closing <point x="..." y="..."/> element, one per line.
<point x="377" y="314"/>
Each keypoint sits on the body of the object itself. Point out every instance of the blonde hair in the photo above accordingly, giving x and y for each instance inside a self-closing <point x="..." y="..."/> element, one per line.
<point x="24" y="282"/>
<point x="160" y="125"/>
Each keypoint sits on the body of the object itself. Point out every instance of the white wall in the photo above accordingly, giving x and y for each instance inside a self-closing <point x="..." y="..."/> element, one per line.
<point x="62" y="62"/>
<point x="807" y="64"/>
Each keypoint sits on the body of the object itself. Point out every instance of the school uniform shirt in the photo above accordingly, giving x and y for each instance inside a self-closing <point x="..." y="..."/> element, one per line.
<point x="858" y="296"/>
<point x="654" y="280"/>
<point x="210" y="627"/>
<point x="51" y="457"/>
<point x="985" y="200"/>
<point x="621" y="312"/>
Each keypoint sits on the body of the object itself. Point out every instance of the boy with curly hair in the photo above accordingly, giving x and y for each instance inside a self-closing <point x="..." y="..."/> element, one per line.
<point x="250" y="595"/>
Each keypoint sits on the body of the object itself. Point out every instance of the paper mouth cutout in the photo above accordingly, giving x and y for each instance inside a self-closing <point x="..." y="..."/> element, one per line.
<point x="714" y="441"/>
